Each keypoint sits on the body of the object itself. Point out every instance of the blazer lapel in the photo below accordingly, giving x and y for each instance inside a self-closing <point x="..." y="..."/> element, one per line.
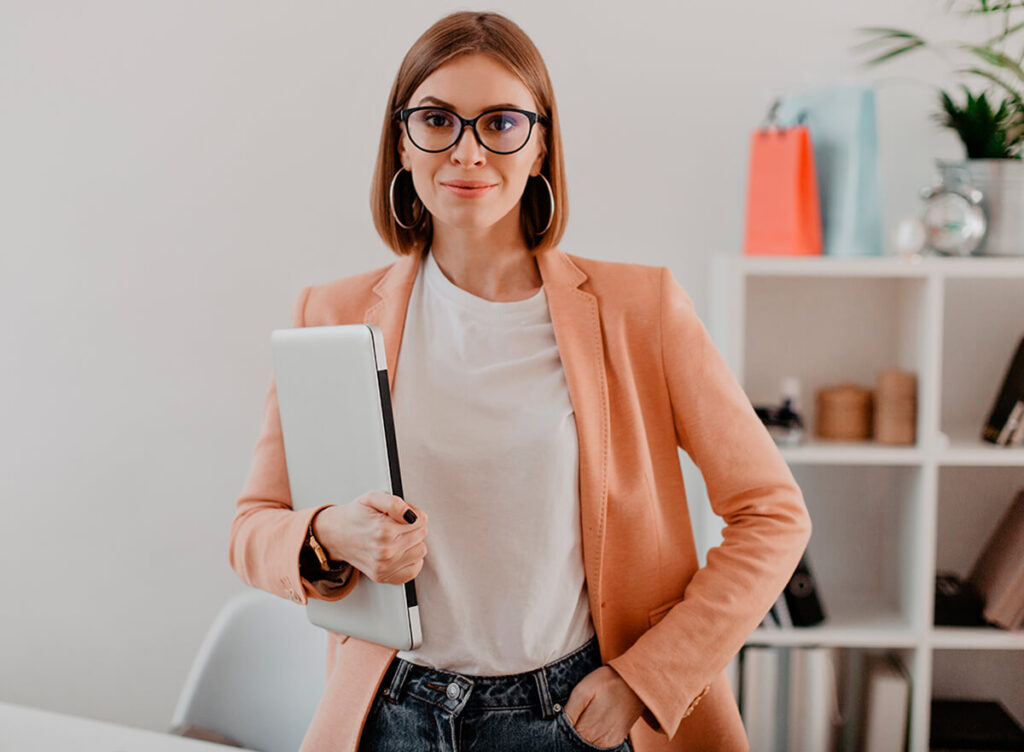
<point x="394" y="290"/>
<point x="577" y="325"/>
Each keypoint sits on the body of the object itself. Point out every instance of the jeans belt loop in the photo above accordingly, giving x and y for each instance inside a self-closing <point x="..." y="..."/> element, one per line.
<point x="546" y="709"/>
<point x="394" y="690"/>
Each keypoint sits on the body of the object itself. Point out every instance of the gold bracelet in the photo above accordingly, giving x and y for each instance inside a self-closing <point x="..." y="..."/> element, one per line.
<point x="321" y="555"/>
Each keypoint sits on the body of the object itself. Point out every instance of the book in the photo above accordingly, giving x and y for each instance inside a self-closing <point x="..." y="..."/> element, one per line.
<point x="1011" y="391"/>
<point x="1016" y="437"/>
<point x="814" y="717"/>
<point x="1013" y="424"/>
<point x="886" y="704"/>
<point x="801" y="595"/>
<point x="998" y="573"/>
<point x="761" y="702"/>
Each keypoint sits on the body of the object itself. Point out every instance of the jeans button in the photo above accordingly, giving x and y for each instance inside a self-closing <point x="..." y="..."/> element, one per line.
<point x="453" y="690"/>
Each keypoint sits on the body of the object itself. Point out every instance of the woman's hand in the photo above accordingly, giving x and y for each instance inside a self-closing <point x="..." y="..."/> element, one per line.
<point x="602" y="708"/>
<point x="373" y="534"/>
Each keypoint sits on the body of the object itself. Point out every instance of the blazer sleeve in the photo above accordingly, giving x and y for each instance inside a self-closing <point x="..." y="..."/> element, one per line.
<point x="267" y="534"/>
<point x="672" y="665"/>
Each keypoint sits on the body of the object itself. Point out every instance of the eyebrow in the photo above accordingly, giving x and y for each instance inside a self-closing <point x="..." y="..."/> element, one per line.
<point x="450" y="106"/>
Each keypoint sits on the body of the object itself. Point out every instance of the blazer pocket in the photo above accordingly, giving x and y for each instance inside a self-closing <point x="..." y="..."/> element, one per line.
<point x="659" y="613"/>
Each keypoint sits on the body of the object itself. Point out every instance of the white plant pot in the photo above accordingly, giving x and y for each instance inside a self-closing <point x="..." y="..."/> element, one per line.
<point x="1001" y="182"/>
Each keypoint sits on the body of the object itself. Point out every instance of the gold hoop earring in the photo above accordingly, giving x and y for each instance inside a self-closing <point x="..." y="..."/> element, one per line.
<point x="391" y="201"/>
<point x="551" y="197"/>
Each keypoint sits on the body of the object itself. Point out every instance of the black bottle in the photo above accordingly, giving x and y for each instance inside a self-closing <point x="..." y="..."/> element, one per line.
<point x="787" y="427"/>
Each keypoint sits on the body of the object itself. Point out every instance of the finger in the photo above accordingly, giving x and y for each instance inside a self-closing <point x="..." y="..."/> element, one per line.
<point x="393" y="507"/>
<point x="575" y="706"/>
<point x="379" y="501"/>
<point x="401" y="512"/>
<point x="421" y="516"/>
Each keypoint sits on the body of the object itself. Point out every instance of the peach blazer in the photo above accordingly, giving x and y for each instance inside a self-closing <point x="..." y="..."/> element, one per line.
<point x="644" y="378"/>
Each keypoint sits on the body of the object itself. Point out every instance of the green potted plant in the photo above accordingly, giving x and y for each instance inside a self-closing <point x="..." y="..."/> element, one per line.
<point x="991" y="129"/>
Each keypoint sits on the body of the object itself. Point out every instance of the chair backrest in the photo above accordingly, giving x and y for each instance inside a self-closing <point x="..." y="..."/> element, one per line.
<point x="258" y="676"/>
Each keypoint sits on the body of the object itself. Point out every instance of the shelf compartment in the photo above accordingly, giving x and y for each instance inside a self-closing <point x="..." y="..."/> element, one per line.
<point x="848" y="683"/>
<point x="829" y="331"/>
<point x="983" y="322"/>
<point x="971" y="501"/>
<point x="980" y="675"/>
<point x="866" y="547"/>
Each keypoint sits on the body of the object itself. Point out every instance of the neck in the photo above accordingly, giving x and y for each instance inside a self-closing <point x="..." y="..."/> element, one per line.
<point x="490" y="263"/>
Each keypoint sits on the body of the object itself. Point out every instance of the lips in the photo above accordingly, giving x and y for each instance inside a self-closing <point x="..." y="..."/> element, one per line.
<point x="468" y="183"/>
<point x="468" y="189"/>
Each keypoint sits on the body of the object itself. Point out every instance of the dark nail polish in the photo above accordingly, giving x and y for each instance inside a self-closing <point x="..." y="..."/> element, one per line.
<point x="410" y="516"/>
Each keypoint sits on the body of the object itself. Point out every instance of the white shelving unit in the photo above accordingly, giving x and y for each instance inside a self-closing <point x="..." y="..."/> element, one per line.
<point x="887" y="518"/>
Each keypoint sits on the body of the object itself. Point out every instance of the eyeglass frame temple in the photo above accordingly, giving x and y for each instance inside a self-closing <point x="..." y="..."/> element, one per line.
<point x="533" y="117"/>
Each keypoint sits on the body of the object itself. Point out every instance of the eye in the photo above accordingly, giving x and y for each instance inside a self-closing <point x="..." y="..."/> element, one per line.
<point x="503" y="121"/>
<point x="435" y="118"/>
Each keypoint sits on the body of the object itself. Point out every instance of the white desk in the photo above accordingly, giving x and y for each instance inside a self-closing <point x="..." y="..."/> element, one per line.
<point x="27" y="729"/>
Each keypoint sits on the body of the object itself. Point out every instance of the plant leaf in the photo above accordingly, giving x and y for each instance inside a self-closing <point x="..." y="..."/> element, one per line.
<point x="885" y="36"/>
<point x="888" y="32"/>
<point x="893" y="53"/>
<point x="984" y="133"/>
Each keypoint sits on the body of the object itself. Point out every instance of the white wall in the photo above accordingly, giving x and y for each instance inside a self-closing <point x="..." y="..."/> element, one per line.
<point x="172" y="174"/>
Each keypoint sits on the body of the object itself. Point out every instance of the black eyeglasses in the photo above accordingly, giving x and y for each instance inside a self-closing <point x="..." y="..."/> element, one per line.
<point x="435" y="129"/>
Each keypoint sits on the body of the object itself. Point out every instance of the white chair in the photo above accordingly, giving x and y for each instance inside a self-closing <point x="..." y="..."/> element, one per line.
<point x="257" y="678"/>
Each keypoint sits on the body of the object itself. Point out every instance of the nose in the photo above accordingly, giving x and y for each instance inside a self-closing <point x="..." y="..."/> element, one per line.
<point x="468" y="150"/>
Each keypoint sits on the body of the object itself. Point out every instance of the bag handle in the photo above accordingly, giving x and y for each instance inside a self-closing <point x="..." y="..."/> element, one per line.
<point x="771" y="120"/>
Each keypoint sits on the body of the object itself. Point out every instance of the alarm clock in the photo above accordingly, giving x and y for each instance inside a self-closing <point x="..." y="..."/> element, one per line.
<point x="953" y="218"/>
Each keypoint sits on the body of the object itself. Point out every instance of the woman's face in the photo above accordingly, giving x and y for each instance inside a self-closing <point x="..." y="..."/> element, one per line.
<point x="468" y="85"/>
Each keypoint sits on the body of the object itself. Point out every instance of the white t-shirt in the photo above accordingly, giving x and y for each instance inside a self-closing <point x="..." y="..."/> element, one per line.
<point x="487" y="445"/>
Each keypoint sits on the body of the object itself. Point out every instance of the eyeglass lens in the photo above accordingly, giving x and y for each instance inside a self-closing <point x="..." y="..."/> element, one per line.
<point x="500" y="130"/>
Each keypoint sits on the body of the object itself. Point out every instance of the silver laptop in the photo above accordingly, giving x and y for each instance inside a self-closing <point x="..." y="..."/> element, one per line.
<point x="339" y="443"/>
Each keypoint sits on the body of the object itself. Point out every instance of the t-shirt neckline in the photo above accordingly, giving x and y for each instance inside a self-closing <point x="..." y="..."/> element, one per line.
<point x="493" y="310"/>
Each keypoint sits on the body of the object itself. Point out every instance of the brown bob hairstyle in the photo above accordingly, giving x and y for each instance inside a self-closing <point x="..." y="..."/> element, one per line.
<point x="462" y="33"/>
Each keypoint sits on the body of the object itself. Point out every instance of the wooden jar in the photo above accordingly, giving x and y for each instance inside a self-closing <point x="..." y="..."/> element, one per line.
<point x="844" y="412"/>
<point x="895" y="417"/>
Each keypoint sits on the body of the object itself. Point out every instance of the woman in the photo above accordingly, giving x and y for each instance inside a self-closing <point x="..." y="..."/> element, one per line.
<point x="539" y="401"/>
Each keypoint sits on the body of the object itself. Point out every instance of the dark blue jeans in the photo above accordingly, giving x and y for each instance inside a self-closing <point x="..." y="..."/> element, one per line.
<point x="419" y="708"/>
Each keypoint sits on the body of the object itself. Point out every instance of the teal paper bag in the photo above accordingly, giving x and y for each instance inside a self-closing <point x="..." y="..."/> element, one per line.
<point x="844" y="132"/>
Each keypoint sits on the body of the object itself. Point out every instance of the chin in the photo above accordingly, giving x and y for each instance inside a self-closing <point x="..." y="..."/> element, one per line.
<point x="470" y="219"/>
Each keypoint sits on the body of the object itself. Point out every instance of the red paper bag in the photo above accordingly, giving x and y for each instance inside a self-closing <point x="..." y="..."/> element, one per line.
<point x="783" y="213"/>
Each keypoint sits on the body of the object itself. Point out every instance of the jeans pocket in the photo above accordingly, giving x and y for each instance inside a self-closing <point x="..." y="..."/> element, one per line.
<point x="562" y="720"/>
